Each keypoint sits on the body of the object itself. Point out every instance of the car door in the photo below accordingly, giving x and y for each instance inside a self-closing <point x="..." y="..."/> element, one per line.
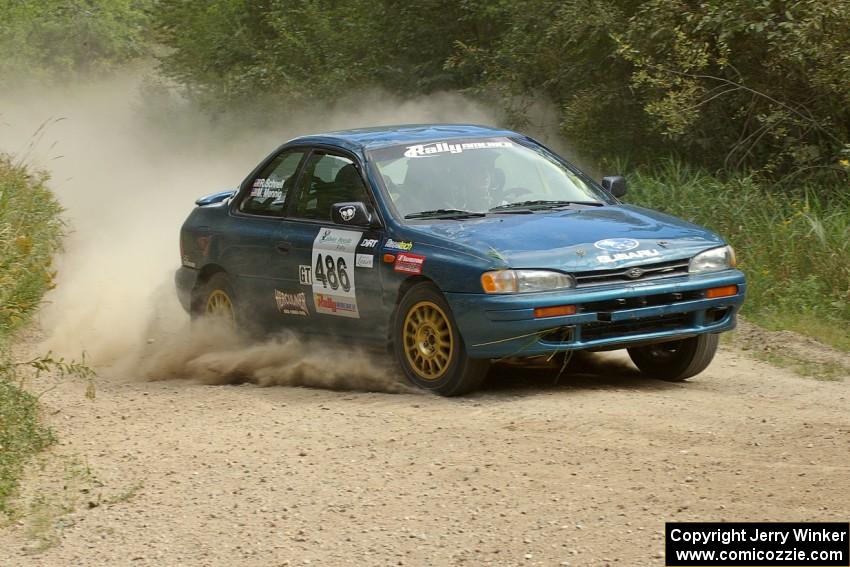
<point x="254" y="250"/>
<point x="337" y="264"/>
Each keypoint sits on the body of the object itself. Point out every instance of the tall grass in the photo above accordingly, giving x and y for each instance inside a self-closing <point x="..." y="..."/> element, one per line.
<point x="30" y="233"/>
<point x="793" y="245"/>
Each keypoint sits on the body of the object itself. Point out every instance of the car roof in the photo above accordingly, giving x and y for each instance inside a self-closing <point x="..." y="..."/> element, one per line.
<point x="383" y="136"/>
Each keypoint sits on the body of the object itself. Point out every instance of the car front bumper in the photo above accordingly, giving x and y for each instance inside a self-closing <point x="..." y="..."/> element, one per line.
<point x="607" y="317"/>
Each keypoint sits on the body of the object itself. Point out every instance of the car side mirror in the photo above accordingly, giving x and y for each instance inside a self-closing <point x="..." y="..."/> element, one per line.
<point x="614" y="184"/>
<point x="354" y="213"/>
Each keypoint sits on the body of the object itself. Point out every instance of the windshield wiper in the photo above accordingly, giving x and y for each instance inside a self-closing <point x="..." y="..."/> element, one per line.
<point x="445" y="214"/>
<point x="544" y="204"/>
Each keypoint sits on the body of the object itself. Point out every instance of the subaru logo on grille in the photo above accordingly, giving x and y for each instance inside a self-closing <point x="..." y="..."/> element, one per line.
<point x="617" y="244"/>
<point x="634" y="273"/>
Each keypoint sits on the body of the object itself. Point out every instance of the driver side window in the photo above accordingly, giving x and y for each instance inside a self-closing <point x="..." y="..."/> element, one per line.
<point x="328" y="179"/>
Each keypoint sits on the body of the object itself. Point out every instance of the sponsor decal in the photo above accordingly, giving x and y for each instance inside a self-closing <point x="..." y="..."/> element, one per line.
<point x="617" y="244"/>
<point x="265" y="188"/>
<point x="332" y="272"/>
<point x="291" y="303"/>
<point x="364" y="261"/>
<point x="636" y="255"/>
<point x="405" y="245"/>
<point x="305" y="275"/>
<point x="189" y="263"/>
<point x="347" y="213"/>
<point x="420" y="150"/>
<point x="369" y="242"/>
<point x="409" y="263"/>
<point x="334" y="305"/>
<point x="335" y="239"/>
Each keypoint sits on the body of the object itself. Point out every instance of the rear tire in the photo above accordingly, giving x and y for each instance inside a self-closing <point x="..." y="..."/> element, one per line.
<point x="675" y="361"/>
<point x="428" y="345"/>
<point x="215" y="298"/>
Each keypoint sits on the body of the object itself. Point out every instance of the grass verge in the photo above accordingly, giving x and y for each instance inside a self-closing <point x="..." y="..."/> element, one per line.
<point x="30" y="233"/>
<point x="792" y="245"/>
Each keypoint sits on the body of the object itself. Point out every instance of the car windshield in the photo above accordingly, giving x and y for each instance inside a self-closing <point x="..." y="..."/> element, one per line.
<point x="464" y="178"/>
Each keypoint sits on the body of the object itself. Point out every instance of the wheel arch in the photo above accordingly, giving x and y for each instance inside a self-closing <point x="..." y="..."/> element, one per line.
<point x="402" y="289"/>
<point x="205" y="274"/>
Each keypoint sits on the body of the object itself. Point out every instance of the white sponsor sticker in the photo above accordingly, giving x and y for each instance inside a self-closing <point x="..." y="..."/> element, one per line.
<point x="368" y="242"/>
<point x="305" y="275"/>
<point x="365" y="261"/>
<point x="636" y="255"/>
<point x="265" y="188"/>
<point x="420" y="150"/>
<point x="333" y="272"/>
<point x="347" y="213"/>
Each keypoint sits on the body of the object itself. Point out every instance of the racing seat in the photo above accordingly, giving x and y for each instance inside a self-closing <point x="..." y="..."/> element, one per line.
<point x="346" y="186"/>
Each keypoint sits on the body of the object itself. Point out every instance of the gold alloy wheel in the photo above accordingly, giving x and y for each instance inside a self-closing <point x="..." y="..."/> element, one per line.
<point x="428" y="340"/>
<point x="219" y="305"/>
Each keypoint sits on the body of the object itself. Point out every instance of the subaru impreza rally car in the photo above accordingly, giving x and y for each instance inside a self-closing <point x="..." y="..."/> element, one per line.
<point x="456" y="245"/>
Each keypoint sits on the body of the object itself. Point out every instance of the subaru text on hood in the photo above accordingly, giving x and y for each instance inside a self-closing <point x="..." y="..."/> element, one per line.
<point x="455" y="245"/>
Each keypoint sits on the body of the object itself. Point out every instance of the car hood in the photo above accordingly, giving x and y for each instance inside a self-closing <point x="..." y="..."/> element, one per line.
<point x="590" y="238"/>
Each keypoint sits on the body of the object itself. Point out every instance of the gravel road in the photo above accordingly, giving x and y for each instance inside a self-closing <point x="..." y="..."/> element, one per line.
<point x="584" y="471"/>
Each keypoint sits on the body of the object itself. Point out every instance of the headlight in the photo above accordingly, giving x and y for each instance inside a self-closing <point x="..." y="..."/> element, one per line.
<point x="523" y="281"/>
<point x="713" y="260"/>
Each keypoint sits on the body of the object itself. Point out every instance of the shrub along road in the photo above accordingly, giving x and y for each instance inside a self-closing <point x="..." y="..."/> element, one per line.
<point x="527" y="472"/>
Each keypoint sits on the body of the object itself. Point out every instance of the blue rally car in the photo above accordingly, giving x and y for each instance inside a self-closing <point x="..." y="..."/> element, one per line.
<point x="456" y="245"/>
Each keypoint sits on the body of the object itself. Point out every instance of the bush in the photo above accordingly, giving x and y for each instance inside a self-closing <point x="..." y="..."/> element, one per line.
<point x="793" y="246"/>
<point x="55" y="40"/>
<point x="30" y="233"/>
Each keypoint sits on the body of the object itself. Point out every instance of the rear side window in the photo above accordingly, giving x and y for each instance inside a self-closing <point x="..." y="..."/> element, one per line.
<point x="268" y="191"/>
<point x="328" y="179"/>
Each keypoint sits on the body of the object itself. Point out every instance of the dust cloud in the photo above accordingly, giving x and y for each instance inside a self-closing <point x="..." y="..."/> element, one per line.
<point x="211" y="352"/>
<point x="127" y="165"/>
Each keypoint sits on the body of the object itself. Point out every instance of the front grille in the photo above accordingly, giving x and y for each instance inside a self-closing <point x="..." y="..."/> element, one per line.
<point x="594" y="331"/>
<point x="641" y="301"/>
<point x="622" y="275"/>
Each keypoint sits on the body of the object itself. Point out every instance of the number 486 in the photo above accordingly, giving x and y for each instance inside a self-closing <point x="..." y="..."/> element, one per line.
<point x="332" y="273"/>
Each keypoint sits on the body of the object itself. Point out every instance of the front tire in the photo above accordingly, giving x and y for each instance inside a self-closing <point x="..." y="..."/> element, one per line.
<point x="675" y="361"/>
<point x="428" y="345"/>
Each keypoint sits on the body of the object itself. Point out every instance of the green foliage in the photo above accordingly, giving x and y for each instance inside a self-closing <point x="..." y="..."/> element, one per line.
<point x="748" y="85"/>
<point x="30" y="232"/>
<point x="50" y="39"/>
<point x="757" y="87"/>
<point x="238" y="51"/>
<point x="21" y="435"/>
<point x="792" y="246"/>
